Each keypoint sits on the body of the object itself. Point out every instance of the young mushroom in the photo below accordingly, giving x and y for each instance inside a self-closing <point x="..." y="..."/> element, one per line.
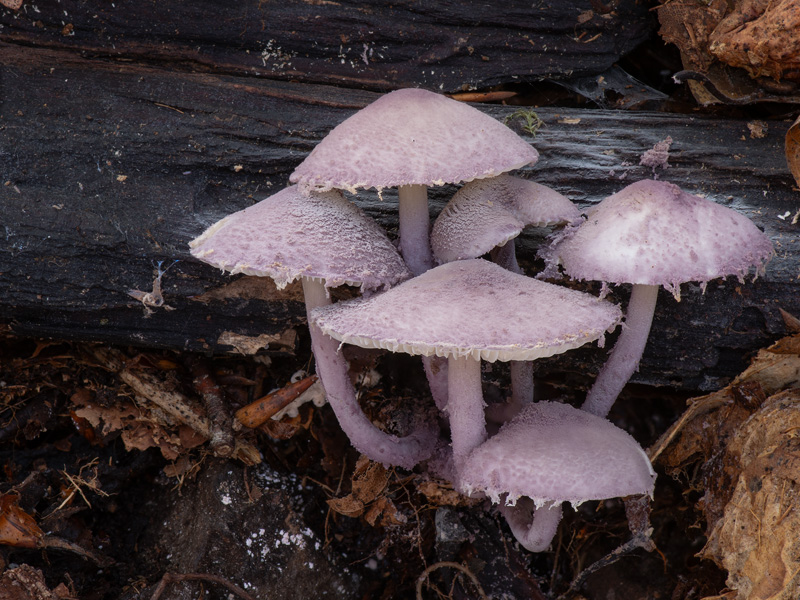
<point x="485" y="216"/>
<point x="467" y="311"/>
<point x="552" y="453"/>
<point x="325" y="241"/>
<point x="653" y="234"/>
<point x="412" y="139"/>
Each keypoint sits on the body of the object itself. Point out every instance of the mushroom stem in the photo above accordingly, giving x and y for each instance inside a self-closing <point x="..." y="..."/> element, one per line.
<point x="465" y="407"/>
<point x="625" y="356"/>
<point x="534" y="532"/>
<point x="415" y="248"/>
<point x="414" y="225"/>
<point x="505" y="255"/>
<point x="333" y="372"/>
<point x="436" y="372"/>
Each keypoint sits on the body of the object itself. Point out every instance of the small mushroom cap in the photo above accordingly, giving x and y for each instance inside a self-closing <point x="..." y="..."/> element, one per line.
<point x="654" y="233"/>
<point x="488" y="212"/>
<point x="412" y="136"/>
<point x="471" y="308"/>
<point x="552" y="452"/>
<point x="292" y="234"/>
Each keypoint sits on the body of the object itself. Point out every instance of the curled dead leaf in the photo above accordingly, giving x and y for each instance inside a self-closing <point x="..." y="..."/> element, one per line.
<point x="347" y="506"/>
<point x="369" y="481"/>
<point x="792" y="149"/>
<point x="17" y="528"/>
<point x="383" y="512"/>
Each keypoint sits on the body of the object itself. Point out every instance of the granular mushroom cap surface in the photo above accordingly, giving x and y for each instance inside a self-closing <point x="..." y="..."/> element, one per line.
<point x="292" y="234"/>
<point x="471" y="308"/>
<point x="654" y="233"/>
<point x="489" y="212"/>
<point x="412" y="137"/>
<point x="553" y="452"/>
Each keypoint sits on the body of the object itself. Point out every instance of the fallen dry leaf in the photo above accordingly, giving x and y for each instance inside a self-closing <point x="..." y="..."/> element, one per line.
<point x="17" y="528"/>
<point x="792" y="149"/>
<point x="138" y="429"/>
<point x="384" y="513"/>
<point x="368" y="482"/>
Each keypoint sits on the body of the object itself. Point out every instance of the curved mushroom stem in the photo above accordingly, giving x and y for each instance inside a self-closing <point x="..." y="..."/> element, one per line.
<point x="414" y="224"/>
<point x="625" y="356"/>
<point x="465" y="407"/>
<point x="365" y="437"/>
<point x="534" y="532"/>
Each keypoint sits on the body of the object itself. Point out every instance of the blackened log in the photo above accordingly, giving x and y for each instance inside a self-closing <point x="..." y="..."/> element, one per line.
<point x="109" y="168"/>
<point x="377" y="45"/>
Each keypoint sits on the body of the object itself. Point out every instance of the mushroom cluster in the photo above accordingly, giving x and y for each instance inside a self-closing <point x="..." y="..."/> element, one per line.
<point x="439" y="299"/>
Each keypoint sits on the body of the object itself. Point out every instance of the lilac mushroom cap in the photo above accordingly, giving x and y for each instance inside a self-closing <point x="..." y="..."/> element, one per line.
<point x="411" y="139"/>
<point x="290" y="235"/>
<point x="653" y="234"/>
<point x="325" y="241"/>
<point x="486" y="215"/>
<point x="467" y="311"/>
<point x="490" y="212"/>
<point x="553" y="453"/>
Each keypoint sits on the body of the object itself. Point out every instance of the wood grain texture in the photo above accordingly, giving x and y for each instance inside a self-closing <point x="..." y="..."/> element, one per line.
<point x="108" y="167"/>
<point x="379" y="45"/>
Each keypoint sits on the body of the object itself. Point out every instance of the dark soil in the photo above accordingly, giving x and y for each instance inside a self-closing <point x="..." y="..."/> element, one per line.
<point x="269" y="528"/>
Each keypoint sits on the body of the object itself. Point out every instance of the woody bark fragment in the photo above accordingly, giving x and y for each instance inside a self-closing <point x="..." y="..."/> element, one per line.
<point x="747" y="437"/>
<point x="221" y="434"/>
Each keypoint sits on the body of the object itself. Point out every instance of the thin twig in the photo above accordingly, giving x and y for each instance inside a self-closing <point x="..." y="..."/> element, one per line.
<point x="453" y="565"/>
<point x="641" y="540"/>
<point x="169" y="578"/>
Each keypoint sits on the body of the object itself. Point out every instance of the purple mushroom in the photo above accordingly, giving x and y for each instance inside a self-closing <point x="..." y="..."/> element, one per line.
<point x="485" y="216"/>
<point x="412" y="139"/>
<point x="653" y="234"/>
<point x="552" y="453"/>
<point x="325" y="241"/>
<point x="489" y="213"/>
<point x="467" y="311"/>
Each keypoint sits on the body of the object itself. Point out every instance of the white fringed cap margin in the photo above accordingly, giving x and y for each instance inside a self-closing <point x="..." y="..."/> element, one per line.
<point x="653" y="233"/>
<point x="471" y="308"/>
<point x="489" y="212"/>
<point x="553" y="453"/>
<point x="292" y="234"/>
<point x="412" y="137"/>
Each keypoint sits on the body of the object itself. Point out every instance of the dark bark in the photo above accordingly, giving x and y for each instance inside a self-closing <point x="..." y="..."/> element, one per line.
<point x="379" y="45"/>
<point x="109" y="167"/>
